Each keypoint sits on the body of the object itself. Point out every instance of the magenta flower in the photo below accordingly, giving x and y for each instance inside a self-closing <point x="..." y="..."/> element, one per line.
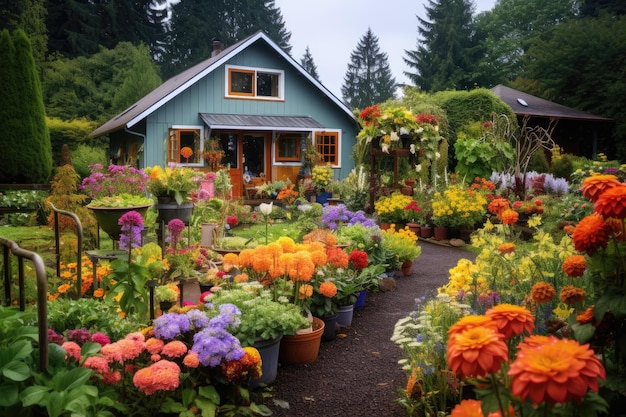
<point x="132" y="226"/>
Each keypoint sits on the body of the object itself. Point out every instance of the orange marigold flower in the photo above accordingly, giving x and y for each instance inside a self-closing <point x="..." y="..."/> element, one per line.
<point x="506" y="248"/>
<point x="337" y="257"/>
<point x="593" y="187"/>
<point x="243" y="277"/>
<point x="497" y="413"/>
<point x="154" y="345"/>
<point x="476" y="352"/>
<point x="468" y="408"/>
<point x="328" y="289"/>
<point x="591" y="234"/>
<point x="572" y="295"/>
<point x="174" y="349"/>
<point x="511" y="319"/>
<point x="98" y="293"/>
<point x="509" y="216"/>
<point x="471" y="321"/>
<point x="63" y="288"/>
<point x="498" y="205"/>
<point x="586" y="316"/>
<point x="305" y="291"/>
<point x="569" y="229"/>
<point x="542" y="292"/>
<point x="557" y="371"/>
<point x="612" y="203"/>
<point x="574" y="265"/>
<point x="186" y="152"/>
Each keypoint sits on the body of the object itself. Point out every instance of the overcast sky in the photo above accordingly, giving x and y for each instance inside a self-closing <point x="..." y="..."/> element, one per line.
<point x="332" y="29"/>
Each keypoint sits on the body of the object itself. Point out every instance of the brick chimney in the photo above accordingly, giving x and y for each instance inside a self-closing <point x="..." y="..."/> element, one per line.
<point x="217" y="47"/>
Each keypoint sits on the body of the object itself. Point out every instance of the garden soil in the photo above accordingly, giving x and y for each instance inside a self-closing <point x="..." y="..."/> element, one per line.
<point x="357" y="374"/>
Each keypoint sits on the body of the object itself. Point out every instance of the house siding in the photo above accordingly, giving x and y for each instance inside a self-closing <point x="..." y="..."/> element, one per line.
<point x="301" y="98"/>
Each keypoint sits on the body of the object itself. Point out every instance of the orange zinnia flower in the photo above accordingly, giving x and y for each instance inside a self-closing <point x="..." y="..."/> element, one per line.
<point x="305" y="291"/>
<point x="612" y="203"/>
<point x="591" y="234"/>
<point x="498" y="205"/>
<point x="542" y="292"/>
<point x="511" y="319"/>
<point x="574" y="265"/>
<point x="63" y="288"/>
<point x="328" y="289"/>
<point x="586" y="316"/>
<point x="471" y="321"/>
<point x="557" y="371"/>
<point x="98" y="293"/>
<point x="509" y="216"/>
<point x="476" y="352"/>
<point x="594" y="187"/>
<point x="572" y="295"/>
<point x="506" y="248"/>
<point x="468" y="408"/>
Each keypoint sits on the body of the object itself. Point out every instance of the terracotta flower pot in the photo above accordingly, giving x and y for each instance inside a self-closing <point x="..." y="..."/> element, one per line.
<point x="440" y="233"/>
<point x="303" y="348"/>
<point x="406" y="268"/>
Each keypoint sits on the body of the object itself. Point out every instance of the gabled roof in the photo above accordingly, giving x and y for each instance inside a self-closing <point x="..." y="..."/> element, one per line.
<point x="528" y="105"/>
<point x="179" y="83"/>
<point x="252" y="122"/>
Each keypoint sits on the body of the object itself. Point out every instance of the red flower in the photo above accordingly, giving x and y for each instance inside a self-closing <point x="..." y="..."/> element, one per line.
<point x="232" y="220"/>
<point x="359" y="259"/>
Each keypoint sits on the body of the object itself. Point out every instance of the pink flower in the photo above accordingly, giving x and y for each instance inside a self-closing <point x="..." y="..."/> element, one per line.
<point x="174" y="349"/>
<point x="110" y="378"/>
<point x="72" y="350"/>
<point x="160" y="376"/>
<point x="191" y="360"/>
<point x="100" y="338"/>
<point x="154" y="345"/>
<point x="97" y="363"/>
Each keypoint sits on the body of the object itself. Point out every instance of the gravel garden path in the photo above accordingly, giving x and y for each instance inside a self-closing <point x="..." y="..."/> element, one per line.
<point x="357" y="373"/>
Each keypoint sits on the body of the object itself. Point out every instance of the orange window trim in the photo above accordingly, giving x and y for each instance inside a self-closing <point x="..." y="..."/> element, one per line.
<point x="252" y="93"/>
<point x="295" y="158"/>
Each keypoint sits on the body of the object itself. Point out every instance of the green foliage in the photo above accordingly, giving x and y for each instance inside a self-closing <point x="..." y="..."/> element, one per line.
<point x="73" y="133"/>
<point x="99" y="86"/>
<point x="130" y="280"/>
<point x="23" y="119"/>
<point x="368" y="80"/>
<point x="539" y="162"/>
<point x="557" y="58"/>
<point x="563" y="166"/>
<point x="86" y="155"/>
<point x="91" y="314"/>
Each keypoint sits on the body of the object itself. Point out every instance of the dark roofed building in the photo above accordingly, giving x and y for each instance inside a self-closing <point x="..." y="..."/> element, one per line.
<point x="576" y="132"/>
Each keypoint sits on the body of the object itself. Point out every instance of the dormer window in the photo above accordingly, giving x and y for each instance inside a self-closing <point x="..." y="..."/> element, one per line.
<point x="254" y="83"/>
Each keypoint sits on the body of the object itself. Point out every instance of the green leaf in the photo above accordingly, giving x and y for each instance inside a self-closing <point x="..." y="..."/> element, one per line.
<point x="8" y="394"/>
<point x="170" y="406"/>
<point x="56" y="355"/>
<point x="260" y="409"/>
<point x="54" y="404"/>
<point x="89" y="349"/>
<point x="74" y="378"/>
<point x="207" y="407"/>
<point x="16" y="371"/>
<point x="209" y="392"/>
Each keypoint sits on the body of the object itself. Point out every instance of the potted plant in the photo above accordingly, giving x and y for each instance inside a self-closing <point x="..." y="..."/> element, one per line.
<point x="166" y="296"/>
<point x="174" y="183"/>
<point x="400" y="243"/>
<point x="458" y="206"/>
<point x="390" y="209"/>
<point x="115" y="191"/>
<point x="213" y="153"/>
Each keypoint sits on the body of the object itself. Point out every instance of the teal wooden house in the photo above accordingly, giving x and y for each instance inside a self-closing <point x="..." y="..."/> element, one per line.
<point x="252" y="101"/>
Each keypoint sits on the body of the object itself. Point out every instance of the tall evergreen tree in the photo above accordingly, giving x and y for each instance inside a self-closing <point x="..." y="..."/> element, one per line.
<point x="9" y="110"/>
<point x="446" y="48"/>
<point x="368" y="79"/>
<point x="28" y="154"/>
<point x="195" y="23"/>
<point x="308" y="64"/>
<point x="79" y="28"/>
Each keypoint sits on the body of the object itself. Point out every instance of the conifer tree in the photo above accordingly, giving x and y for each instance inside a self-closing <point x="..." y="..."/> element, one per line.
<point x="9" y="110"/>
<point x="368" y="79"/>
<point x="308" y="64"/>
<point x="447" y="48"/>
<point x="28" y="142"/>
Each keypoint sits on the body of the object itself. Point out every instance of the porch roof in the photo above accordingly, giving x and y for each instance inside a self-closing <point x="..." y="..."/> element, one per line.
<point x="260" y="122"/>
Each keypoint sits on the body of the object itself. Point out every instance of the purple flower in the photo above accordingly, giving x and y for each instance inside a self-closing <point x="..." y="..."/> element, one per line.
<point x="132" y="225"/>
<point x="54" y="337"/>
<point x="175" y="226"/>
<point x="215" y="345"/>
<point x="171" y="325"/>
<point x="80" y="336"/>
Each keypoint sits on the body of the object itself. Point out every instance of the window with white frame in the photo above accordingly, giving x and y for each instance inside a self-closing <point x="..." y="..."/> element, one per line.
<point x="254" y="83"/>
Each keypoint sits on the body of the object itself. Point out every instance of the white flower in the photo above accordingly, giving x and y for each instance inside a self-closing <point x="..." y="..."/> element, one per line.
<point x="420" y="130"/>
<point x="412" y="148"/>
<point x="418" y="167"/>
<point x="394" y="136"/>
<point x="403" y="131"/>
<point x="437" y="155"/>
<point x="384" y="147"/>
<point x="266" y="209"/>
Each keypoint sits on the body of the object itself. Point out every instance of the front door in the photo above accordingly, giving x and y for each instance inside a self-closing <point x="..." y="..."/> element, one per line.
<point x="248" y="155"/>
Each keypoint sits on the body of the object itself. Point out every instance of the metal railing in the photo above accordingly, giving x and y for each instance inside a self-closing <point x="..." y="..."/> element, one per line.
<point x="10" y="247"/>
<point x="79" y="245"/>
